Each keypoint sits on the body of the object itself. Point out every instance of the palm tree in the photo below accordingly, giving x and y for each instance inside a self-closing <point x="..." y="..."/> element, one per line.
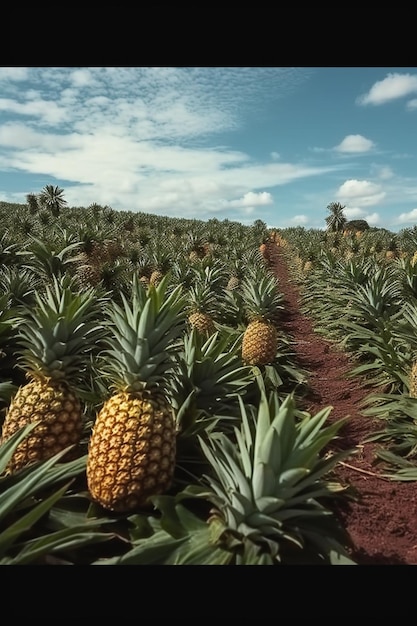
<point x="336" y="221"/>
<point x="51" y="198"/>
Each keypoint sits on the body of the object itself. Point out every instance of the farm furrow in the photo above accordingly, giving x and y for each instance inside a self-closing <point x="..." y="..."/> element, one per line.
<point x="382" y="519"/>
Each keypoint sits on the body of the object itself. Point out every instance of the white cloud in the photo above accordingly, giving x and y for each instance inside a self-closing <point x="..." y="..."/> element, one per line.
<point x="392" y="87"/>
<point x="408" y="218"/>
<point x="353" y="213"/>
<point x="373" y="219"/>
<point x="412" y="104"/>
<point x="299" y="220"/>
<point x="362" y="192"/>
<point x="82" y="77"/>
<point x="385" y="172"/>
<point x="46" y="111"/>
<point x="355" y="143"/>
<point x="356" y="213"/>
<point x="253" y="199"/>
<point x="14" y="73"/>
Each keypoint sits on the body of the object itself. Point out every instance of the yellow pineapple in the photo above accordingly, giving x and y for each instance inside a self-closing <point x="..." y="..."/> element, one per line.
<point x="57" y="336"/>
<point x="132" y="449"/>
<point x="262" y="301"/>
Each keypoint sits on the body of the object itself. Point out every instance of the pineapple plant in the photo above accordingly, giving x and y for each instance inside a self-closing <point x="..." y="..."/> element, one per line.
<point x="132" y="449"/>
<point x="237" y="273"/>
<point x="196" y="247"/>
<point x="57" y="336"/>
<point x="202" y="308"/>
<point x="262" y="302"/>
<point x="270" y="488"/>
<point x="392" y="249"/>
<point x="261" y="500"/>
<point x="162" y="262"/>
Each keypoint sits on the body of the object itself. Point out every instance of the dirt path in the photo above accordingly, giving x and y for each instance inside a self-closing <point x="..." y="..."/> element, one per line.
<point x="383" y="523"/>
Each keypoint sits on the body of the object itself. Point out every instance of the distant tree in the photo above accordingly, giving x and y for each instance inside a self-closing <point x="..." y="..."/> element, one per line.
<point x="336" y="221"/>
<point x="52" y="198"/>
<point x="357" y="225"/>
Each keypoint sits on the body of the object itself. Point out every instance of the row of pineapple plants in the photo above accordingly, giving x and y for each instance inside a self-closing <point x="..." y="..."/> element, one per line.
<point x="368" y="308"/>
<point x="150" y="401"/>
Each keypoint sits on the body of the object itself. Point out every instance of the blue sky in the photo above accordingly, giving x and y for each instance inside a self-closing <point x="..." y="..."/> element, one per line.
<point x="277" y="144"/>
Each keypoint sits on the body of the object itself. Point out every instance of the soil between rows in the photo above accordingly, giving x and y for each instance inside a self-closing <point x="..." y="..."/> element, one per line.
<point x="382" y="521"/>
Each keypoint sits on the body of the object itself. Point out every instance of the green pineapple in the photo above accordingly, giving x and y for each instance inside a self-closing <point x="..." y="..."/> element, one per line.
<point x="57" y="336"/>
<point x="132" y="450"/>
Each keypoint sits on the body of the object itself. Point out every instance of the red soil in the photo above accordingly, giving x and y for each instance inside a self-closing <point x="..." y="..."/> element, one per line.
<point x="382" y="520"/>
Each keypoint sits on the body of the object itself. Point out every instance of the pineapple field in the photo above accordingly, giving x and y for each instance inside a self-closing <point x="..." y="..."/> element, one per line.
<point x="178" y="391"/>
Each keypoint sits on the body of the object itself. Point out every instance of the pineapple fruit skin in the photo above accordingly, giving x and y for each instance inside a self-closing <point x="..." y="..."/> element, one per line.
<point x="413" y="380"/>
<point x="132" y="450"/>
<point x="259" y="343"/>
<point x="59" y="412"/>
<point x="202" y="322"/>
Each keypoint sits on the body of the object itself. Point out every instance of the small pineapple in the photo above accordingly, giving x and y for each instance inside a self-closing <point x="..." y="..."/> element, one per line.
<point x="196" y="247"/>
<point x="262" y="302"/>
<point x="392" y="249"/>
<point x="132" y="450"/>
<point x="56" y="336"/>
<point x="162" y="262"/>
<point x="237" y="273"/>
<point x="201" y="307"/>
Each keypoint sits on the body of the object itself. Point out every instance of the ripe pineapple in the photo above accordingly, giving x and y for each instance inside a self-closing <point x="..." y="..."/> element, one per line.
<point x="262" y="302"/>
<point x="57" y="336"/>
<point x="132" y="449"/>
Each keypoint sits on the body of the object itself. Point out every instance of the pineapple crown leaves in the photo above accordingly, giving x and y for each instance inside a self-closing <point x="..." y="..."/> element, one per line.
<point x="202" y="298"/>
<point x="143" y="332"/>
<point x="22" y="506"/>
<point x="210" y="373"/>
<point x="60" y="331"/>
<point x="9" y="318"/>
<point x="44" y="258"/>
<point x="261" y="297"/>
<point x="177" y="536"/>
<point x="270" y="482"/>
<point x="210" y="273"/>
